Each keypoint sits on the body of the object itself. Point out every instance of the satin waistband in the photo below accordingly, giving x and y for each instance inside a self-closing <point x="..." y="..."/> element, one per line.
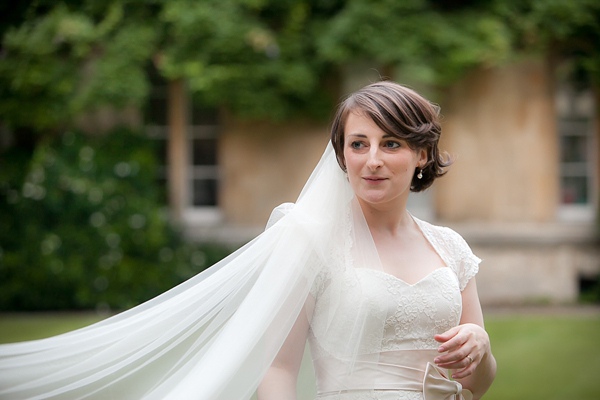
<point x="411" y="370"/>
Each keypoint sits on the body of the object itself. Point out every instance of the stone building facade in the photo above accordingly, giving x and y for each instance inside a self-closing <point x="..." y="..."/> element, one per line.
<point x="523" y="189"/>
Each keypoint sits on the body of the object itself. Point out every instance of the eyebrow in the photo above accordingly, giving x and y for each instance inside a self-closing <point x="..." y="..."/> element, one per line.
<point x="360" y="135"/>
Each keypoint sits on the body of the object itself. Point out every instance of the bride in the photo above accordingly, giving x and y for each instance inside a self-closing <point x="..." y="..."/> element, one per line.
<point x="387" y="302"/>
<point x="415" y="296"/>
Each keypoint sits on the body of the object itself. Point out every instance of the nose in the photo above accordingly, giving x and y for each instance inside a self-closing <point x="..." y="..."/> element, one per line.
<point x="374" y="162"/>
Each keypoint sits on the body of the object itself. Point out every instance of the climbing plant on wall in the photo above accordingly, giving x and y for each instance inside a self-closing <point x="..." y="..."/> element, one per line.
<point x="264" y="58"/>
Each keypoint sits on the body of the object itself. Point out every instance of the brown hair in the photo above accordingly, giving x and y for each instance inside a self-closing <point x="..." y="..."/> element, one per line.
<point x="402" y="113"/>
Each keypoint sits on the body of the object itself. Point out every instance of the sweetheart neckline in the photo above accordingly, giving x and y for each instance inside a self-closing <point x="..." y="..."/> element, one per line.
<point x="394" y="277"/>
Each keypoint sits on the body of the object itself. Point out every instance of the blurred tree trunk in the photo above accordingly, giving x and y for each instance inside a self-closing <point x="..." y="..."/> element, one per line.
<point x="177" y="156"/>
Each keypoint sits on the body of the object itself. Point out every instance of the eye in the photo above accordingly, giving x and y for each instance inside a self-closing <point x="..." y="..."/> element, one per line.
<point x="391" y="144"/>
<point x="357" y="144"/>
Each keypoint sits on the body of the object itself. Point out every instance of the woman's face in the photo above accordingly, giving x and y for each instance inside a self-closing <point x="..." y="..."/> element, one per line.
<point x="380" y="166"/>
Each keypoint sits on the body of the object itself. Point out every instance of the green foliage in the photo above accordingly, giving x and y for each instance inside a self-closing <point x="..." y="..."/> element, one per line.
<point x="64" y="62"/>
<point x="590" y="293"/>
<point x="266" y="58"/>
<point x="566" y="29"/>
<point x="81" y="226"/>
<point x="437" y="47"/>
<point x="256" y="58"/>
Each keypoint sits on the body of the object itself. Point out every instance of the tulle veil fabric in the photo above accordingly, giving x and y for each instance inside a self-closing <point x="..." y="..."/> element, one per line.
<point x="215" y="335"/>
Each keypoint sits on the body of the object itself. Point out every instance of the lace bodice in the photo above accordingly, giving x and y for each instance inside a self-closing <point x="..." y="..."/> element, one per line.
<point x="414" y="313"/>
<point x="418" y="312"/>
<point x="404" y="316"/>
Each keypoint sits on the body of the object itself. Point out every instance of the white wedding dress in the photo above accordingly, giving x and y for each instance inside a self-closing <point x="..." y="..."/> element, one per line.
<point x="392" y="365"/>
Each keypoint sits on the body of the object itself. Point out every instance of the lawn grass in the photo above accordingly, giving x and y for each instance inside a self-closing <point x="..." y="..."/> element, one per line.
<point x="29" y="326"/>
<point x="550" y="357"/>
<point x="545" y="356"/>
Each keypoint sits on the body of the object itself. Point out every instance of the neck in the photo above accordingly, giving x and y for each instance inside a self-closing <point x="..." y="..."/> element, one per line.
<point x="389" y="219"/>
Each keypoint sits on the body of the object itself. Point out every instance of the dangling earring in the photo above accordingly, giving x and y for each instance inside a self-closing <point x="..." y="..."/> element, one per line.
<point x="420" y="175"/>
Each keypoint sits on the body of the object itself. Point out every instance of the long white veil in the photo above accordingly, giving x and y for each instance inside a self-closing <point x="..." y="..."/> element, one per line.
<point x="215" y="335"/>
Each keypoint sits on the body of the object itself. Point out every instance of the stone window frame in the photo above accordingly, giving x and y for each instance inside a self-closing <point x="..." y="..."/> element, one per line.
<point x="577" y="122"/>
<point x="191" y="211"/>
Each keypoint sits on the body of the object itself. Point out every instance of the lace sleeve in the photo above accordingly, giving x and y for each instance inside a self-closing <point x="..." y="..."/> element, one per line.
<point x="320" y="282"/>
<point x="453" y="249"/>
<point x="466" y="264"/>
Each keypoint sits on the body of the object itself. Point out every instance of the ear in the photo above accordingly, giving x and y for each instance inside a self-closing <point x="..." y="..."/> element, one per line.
<point x="422" y="157"/>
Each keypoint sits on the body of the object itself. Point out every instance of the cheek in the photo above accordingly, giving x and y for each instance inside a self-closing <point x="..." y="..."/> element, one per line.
<point x="349" y="161"/>
<point x="405" y="161"/>
<point x="353" y="168"/>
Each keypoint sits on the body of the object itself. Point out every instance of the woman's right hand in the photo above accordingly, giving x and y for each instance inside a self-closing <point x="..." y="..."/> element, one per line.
<point x="464" y="347"/>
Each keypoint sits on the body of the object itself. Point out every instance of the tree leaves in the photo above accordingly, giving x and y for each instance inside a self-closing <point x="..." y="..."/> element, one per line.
<point x="266" y="58"/>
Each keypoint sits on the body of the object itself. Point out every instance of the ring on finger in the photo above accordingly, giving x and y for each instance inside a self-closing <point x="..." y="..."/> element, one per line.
<point x="470" y="359"/>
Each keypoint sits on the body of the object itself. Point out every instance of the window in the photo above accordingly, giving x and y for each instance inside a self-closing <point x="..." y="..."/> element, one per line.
<point x="202" y="175"/>
<point x="155" y="120"/>
<point x="575" y="141"/>
<point x="578" y="156"/>
<point x="204" y="169"/>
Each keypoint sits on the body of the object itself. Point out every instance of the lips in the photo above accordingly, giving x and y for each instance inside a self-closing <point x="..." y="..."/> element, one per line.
<point x="374" y="179"/>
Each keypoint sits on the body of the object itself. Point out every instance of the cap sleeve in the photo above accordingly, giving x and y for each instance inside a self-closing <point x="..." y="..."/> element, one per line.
<point x="453" y="249"/>
<point x="467" y="263"/>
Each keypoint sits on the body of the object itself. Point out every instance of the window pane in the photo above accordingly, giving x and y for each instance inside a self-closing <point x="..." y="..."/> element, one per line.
<point x="574" y="126"/>
<point x="205" y="192"/>
<point x="155" y="112"/>
<point x="204" y="116"/>
<point x="161" y="151"/>
<point x="574" y="149"/>
<point x="204" y="152"/>
<point x="574" y="190"/>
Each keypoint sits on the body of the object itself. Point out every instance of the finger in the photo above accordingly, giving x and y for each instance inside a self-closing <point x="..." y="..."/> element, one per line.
<point x="463" y="373"/>
<point x="454" y="355"/>
<point x="449" y="334"/>
<point x="454" y="343"/>
<point x="454" y="361"/>
<point x="460" y="364"/>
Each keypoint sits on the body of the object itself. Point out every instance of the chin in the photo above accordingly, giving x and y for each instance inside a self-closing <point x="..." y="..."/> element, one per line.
<point x="374" y="200"/>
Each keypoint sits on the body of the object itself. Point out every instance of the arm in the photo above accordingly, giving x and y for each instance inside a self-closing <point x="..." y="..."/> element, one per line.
<point x="469" y="339"/>
<point x="279" y="382"/>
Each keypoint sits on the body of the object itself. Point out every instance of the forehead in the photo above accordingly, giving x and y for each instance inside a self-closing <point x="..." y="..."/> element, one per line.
<point x="358" y="120"/>
<point x="360" y="123"/>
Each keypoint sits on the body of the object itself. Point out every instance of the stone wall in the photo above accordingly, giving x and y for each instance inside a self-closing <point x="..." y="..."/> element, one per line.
<point x="500" y="126"/>
<point x="263" y="165"/>
<point x="501" y="193"/>
<point x="532" y="263"/>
